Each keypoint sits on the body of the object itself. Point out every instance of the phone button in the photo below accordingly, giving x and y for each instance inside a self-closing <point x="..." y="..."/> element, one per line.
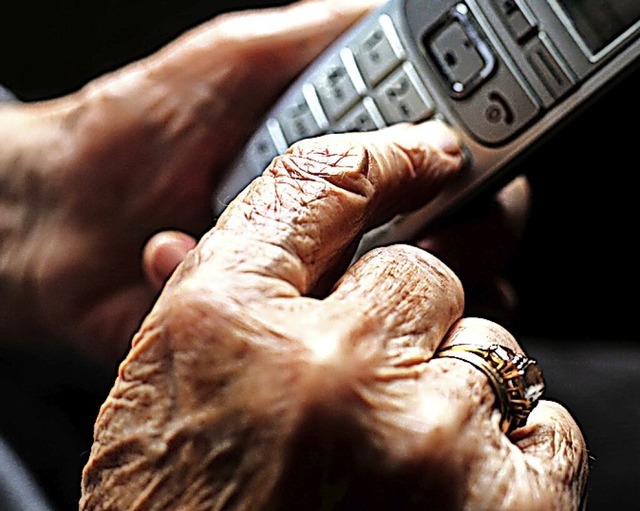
<point x="335" y="89"/>
<point x="550" y="68"/>
<point x="378" y="51"/>
<point x="402" y="97"/>
<point x="517" y="18"/>
<point x="499" y="109"/>
<point x="365" y="116"/>
<point x="298" y="122"/>
<point x="460" y="51"/>
<point x="259" y="152"/>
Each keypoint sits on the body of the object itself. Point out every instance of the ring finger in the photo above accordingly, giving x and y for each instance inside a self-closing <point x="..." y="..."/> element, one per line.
<point x="541" y="465"/>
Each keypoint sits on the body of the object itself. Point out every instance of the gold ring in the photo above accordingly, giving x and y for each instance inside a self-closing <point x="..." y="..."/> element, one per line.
<point x="516" y="381"/>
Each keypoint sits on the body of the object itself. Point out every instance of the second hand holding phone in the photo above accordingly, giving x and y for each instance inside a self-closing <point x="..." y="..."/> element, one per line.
<point x="503" y="73"/>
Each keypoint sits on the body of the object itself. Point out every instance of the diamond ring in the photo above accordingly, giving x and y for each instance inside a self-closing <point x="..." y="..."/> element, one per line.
<point x="516" y="381"/>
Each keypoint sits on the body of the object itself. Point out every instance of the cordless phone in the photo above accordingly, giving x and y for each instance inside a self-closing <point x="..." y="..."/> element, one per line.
<point x="503" y="73"/>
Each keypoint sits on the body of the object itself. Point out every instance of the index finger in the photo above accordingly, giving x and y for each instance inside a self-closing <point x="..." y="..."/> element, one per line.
<point x="312" y="203"/>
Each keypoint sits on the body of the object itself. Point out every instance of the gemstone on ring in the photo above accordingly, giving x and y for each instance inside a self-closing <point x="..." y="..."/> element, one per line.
<point x="516" y="380"/>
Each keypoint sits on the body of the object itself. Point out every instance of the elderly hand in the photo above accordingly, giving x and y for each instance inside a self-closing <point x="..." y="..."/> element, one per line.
<point x="87" y="179"/>
<point x="248" y="388"/>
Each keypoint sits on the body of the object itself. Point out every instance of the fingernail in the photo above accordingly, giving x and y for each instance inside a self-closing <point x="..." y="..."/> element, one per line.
<point x="164" y="253"/>
<point x="169" y="256"/>
<point x="439" y="135"/>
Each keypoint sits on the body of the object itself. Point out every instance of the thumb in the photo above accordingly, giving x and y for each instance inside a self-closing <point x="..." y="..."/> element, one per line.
<point x="162" y="254"/>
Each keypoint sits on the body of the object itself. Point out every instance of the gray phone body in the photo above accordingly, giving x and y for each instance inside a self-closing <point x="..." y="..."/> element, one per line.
<point x="504" y="74"/>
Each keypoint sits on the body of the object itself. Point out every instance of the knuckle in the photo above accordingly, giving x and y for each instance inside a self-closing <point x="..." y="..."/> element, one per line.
<point x="331" y="160"/>
<point x="409" y="260"/>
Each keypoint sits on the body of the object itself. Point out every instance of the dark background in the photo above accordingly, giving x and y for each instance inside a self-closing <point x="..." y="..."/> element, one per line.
<point x="575" y="271"/>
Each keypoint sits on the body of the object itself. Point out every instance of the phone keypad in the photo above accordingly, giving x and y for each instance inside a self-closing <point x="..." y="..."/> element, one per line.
<point x="367" y="85"/>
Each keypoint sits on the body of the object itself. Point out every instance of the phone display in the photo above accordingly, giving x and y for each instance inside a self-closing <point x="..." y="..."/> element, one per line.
<point x="504" y="73"/>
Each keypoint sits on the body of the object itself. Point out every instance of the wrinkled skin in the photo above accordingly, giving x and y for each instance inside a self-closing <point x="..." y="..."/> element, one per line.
<point x="121" y="173"/>
<point x="103" y="191"/>
<point x="86" y="180"/>
<point x="249" y="385"/>
<point x="247" y="388"/>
